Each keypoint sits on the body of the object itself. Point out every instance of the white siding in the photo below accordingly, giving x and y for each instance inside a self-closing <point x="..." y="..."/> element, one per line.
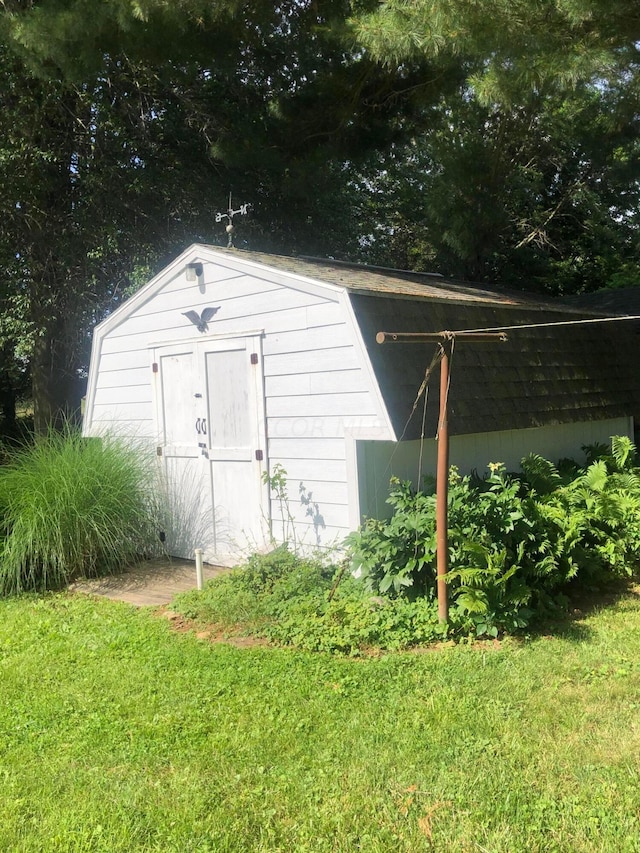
<point x="305" y="426"/>
<point x="341" y="356"/>
<point x="125" y="416"/>
<point x="316" y="384"/>
<point x="378" y="461"/>
<point x="130" y="377"/>
<point x="125" y="393"/>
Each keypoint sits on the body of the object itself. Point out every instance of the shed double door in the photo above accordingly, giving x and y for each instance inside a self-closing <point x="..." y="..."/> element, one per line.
<point x="211" y="428"/>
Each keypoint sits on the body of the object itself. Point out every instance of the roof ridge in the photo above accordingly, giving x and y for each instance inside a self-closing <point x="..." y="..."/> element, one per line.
<point x="386" y="281"/>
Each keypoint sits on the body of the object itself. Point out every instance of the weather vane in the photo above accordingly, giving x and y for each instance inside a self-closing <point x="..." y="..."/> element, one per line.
<point x="241" y="211"/>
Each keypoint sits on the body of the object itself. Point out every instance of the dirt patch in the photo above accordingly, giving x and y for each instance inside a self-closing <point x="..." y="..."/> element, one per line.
<point x="209" y="633"/>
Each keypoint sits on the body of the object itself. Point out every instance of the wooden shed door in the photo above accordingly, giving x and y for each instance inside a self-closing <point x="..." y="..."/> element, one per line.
<point x="211" y="418"/>
<point x="189" y="512"/>
<point x="232" y="371"/>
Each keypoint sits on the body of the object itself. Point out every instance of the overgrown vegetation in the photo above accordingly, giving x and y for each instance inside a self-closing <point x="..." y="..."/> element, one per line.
<point x="307" y="603"/>
<point x="493" y="142"/>
<point x="517" y="542"/>
<point x="71" y="506"/>
<point x="518" y="545"/>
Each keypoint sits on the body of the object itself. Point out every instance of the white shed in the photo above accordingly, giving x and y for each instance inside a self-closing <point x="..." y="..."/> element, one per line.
<point x="231" y="363"/>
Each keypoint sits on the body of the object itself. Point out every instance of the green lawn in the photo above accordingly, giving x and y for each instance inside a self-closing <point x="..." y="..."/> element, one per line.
<point x="118" y="734"/>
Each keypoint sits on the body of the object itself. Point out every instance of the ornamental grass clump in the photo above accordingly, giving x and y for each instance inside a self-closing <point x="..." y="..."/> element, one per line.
<point x="72" y="507"/>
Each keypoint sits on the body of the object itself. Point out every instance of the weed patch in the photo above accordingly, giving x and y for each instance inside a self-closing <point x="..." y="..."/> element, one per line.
<point x="302" y="602"/>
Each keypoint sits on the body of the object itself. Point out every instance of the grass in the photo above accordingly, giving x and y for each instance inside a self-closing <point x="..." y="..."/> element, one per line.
<point x="118" y="734"/>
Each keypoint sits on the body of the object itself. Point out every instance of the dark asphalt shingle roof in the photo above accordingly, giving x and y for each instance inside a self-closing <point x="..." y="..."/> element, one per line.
<point x="619" y="300"/>
<point x="541" y="376"/>
<point x="362" y="279"/>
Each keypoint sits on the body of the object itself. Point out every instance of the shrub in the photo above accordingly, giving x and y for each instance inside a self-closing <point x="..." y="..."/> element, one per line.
<point x="605" y="501"/>
<point x="516" y="542"/>
<point x="398" y="556"/>
<point x="71" y="506"/>
<point x="488" y="525"/>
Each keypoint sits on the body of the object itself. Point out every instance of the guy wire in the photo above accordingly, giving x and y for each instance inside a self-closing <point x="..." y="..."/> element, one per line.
<point x="422" y="427"/>
<point x="427" y="376"/>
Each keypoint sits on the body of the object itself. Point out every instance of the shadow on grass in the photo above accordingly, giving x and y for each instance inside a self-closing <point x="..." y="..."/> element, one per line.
<point x="583" y="603"/>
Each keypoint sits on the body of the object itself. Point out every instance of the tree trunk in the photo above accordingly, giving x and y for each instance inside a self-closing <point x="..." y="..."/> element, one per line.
<point x="54" y="382"/>
<point x="8" y="407"/>
<point x="52" y="258"/>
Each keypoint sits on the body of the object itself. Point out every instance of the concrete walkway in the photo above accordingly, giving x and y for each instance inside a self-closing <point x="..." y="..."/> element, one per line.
<point x="147" y="584"/>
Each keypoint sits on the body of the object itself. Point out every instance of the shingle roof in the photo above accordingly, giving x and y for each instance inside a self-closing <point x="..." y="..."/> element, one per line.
<point x="541" y="376"/>
<point x="619" y="300"/>
<point x="364" y="279"/>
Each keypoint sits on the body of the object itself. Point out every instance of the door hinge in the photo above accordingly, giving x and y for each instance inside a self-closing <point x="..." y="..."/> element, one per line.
<point x="254" y="358"/>
<point x="259" y="455"/>
<point x="154" y="367"/>
<point x="158" y="451"/>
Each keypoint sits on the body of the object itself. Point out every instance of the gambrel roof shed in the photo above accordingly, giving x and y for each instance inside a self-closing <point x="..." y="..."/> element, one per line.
<point x="230" y="363"/>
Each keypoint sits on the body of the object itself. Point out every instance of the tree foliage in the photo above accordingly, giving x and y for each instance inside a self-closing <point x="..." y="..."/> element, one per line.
<point x="87" y="182"/>
<point x="510" y="46"/>
<point x="121" y="143"/>
<point x="544" y="196"/>
<point x="491" y="141"/>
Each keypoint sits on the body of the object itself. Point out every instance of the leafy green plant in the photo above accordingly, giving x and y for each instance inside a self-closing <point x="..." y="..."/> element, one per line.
<point x="397" y="556"/>
<point x="490" y="593"/>
<point x="607" y="506"/>
<point x="487" y="528"/>
<point x="539" y="474"/>
<point x="303" y="602"/>
<point x="276" y="479"/>
<point x="71" y="506"/>
<point x="516" y="541"/>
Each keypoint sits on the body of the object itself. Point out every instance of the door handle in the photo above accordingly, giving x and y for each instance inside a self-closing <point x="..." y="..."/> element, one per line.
<point x="198" y="428"/>
<point x="204" y="426"/>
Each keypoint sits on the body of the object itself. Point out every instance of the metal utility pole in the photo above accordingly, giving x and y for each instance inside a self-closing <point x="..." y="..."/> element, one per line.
<point x="442" y="487"/>
<point x="445" y="339"/>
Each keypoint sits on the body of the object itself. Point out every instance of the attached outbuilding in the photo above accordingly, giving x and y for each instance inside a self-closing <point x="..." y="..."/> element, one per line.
<point x="235" y="366"/>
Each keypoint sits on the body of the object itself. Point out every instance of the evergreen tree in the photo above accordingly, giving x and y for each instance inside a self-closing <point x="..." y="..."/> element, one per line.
<point x="126" y="125"/>
<point x="511" y="47"/>
<point x="545" y="196"/>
